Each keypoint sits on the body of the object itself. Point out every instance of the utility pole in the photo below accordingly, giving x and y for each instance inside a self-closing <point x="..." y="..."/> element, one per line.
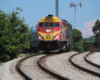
<point x="57" y="12"/>
<point x="74" y="4"/>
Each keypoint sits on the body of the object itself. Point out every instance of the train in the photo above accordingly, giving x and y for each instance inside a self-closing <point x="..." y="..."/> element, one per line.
<point x="54" y="34"/>
<point x="34" y="41"/>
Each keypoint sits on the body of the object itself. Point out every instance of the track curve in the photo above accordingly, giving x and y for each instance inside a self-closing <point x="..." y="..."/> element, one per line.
<point x="42" y="64"/>
<point x="19" y="69"/>
<point x="82" y="68"/>
<point x="94" y="64"/>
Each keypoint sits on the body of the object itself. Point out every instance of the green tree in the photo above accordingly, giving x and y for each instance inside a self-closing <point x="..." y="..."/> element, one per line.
<point x="89" y="39"/>
<point x="77" y="40"/>
<point x="96" y="31"/>
<point x="12" y="36"/>
<point x="96" y="28"/>
<point x="77" y="35"/>
<point x="78" y="46"/>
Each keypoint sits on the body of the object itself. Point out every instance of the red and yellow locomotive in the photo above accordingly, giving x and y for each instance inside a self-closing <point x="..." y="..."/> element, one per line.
<point x="54" y="34"/>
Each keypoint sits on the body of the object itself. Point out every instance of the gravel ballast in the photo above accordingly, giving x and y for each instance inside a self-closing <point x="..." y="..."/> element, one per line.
<point x="95" y="57"/>
<point x="79" y="59"/>
<point x="60" y="63"/>
<point x="31" y="68"/>
<point x="8" y="72"/>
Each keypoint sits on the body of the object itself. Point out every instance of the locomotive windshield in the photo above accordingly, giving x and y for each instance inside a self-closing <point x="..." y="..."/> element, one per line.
<point x="56" y="24"/>
<point x="40" y="25"/>
<point x="50" y="25"/>
<point x="45" y="25"/>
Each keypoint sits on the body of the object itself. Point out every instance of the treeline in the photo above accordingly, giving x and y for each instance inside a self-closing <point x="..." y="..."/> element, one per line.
<point x="12" y="36"/>
<point x="78" y="39"/>
<point x="96" y="31"/>
<point x="89" y="39"/>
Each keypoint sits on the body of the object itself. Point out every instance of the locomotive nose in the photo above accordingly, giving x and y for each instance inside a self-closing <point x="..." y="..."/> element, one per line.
<point x="48" y="36"/>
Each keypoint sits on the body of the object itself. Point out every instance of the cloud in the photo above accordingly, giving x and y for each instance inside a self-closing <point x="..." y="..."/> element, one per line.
<point x="87" y="30"/>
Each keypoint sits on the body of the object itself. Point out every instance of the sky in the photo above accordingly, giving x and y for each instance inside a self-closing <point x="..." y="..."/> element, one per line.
<point x="34" y="10"/>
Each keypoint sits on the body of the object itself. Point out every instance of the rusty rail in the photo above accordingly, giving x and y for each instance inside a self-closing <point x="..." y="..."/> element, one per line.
<point x="94" y="64"/>
<point x="82" y="68"/>
<point x="19" y="69"/>
<point x="41" y="63"/>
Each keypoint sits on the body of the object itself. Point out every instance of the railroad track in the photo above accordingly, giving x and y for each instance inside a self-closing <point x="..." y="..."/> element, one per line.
<point x="63" y="72"/>
<point x="86" y="58"/>
<point x="18" y="67"/>
<point x="41" y="62"/>
<point x="78" y="61"/>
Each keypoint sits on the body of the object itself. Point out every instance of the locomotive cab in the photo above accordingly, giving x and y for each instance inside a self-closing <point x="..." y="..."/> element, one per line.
<point x="52" y="34"/>
<point x="47" y="31"/>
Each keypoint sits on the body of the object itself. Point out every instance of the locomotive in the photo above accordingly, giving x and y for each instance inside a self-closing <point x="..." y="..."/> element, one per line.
<point x="54" y="34"/>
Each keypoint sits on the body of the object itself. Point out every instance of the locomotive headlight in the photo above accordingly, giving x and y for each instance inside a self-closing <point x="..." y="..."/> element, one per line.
<point x="56" y="37"/>
<point x="39" y="37"/>
<point x="48" y="30"/>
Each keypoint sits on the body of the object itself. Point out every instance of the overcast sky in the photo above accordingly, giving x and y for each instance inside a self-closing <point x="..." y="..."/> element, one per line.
<point x="34" y="10"/>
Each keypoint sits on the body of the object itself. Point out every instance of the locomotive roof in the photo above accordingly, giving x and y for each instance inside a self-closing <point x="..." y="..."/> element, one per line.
<point x="50" y="19"/>
<point x="66" y="22"/>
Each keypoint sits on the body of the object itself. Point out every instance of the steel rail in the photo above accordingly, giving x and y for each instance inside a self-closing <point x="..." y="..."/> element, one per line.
<point x="94" y="64"/>
<point x="20" y="71"/>
<point x="41" y="63"/>
<point x="82" y="68"/>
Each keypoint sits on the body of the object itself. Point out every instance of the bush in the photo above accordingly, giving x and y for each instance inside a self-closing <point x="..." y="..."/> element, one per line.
<point x="12" y="36"/>
<point x="77" y="41"/>
<point x="78" y="46"/>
